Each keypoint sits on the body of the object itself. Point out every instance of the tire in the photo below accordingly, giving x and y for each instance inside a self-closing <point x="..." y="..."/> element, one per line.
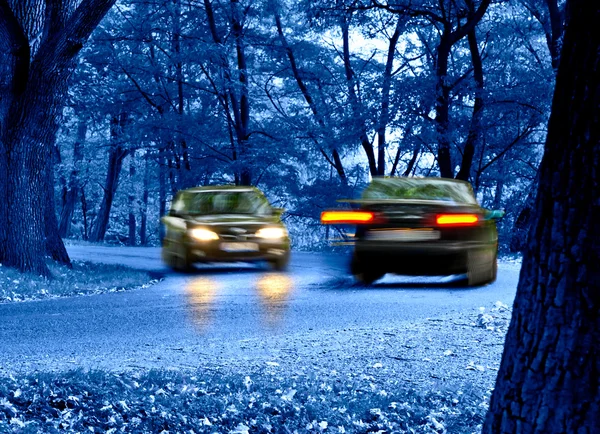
<point x="363" y="273"/>
<point x="280" y="263"/>
<point x="482" y="268"/>
<point x="182" y="262"/>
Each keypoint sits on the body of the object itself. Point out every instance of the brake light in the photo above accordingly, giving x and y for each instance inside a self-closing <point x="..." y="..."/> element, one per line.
<point x="456" y="219"/>
<point x="347" y="217"/>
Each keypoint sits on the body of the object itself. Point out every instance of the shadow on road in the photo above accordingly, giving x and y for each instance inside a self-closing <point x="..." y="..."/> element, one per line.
<point x="442" y="283"/>
<point x="209" y="269"/>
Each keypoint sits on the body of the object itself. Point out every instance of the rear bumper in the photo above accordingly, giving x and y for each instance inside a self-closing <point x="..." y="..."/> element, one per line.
<point x="436" y="258"/>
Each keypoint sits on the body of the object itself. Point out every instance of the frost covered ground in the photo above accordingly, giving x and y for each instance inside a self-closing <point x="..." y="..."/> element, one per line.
<point x="433" y="376"/>
<point x="15" y="286"/>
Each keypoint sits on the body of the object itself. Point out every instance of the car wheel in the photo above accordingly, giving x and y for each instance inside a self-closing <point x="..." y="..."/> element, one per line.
<point x="363" y="273"/>
<point x="168" y="258"/>
<point x="182" y="262"/>
<point x="280" y="263"/>
<point x="482" y="268"/>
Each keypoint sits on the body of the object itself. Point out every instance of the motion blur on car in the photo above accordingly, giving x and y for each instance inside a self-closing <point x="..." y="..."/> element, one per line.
<point x="420" y="226"/>
<point x="224" y="224"/>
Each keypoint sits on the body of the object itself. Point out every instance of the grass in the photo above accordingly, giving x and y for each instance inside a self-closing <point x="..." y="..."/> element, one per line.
<point x="173" y="402"/>
<point x="83" y="279"/>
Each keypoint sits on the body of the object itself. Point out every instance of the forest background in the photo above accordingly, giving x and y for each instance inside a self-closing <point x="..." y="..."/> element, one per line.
<point x="305" y="100"/>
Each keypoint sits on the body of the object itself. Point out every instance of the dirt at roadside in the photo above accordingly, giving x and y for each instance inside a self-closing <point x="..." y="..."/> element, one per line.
<point x="460" y="350"/>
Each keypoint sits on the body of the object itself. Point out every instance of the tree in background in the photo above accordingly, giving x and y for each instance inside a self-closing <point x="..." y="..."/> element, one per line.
<point x="40" y="41"/>
<point x="332" y="92"/>
<point x="549" y="378"/>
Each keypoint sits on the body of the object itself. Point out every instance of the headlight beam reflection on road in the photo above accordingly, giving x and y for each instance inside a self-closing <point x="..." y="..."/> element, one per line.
<point x="200" y="294"/>
<point x="274" y="289"/>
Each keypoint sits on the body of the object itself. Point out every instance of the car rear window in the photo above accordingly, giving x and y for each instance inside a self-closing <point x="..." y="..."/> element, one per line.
<point x="420" y="189"/>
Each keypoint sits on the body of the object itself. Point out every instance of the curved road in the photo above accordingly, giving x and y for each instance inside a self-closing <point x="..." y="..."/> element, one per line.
<point x="220" y="312"/>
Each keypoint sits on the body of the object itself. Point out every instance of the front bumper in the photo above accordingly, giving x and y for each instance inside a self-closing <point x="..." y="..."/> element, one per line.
<point x="214" y="251"/>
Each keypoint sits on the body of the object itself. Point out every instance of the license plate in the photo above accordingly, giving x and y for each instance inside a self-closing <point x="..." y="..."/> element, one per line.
<point x="404" y="235"/>
<point x="239" y="247"/>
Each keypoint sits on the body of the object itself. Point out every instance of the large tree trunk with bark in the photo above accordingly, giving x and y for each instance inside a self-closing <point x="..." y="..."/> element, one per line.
<point x="43" y="39"/>
<point x="549" y="378"/>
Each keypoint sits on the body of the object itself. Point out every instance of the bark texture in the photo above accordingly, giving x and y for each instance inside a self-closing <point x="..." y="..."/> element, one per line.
<point x="549" y="379"/>
<point x="39" y="69"/>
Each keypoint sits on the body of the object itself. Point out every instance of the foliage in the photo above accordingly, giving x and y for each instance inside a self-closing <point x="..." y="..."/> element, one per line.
<point x="67" y="282"/>
<point x="159" y="62"/>
<point x="167" y="401"/>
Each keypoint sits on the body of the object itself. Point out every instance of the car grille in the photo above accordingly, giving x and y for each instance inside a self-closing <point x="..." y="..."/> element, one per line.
<point x="240" y="237"/>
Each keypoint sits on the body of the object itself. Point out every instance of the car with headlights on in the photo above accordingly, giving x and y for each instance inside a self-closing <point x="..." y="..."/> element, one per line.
<point x="420" y="226"/>
<point x="224" y="224"/>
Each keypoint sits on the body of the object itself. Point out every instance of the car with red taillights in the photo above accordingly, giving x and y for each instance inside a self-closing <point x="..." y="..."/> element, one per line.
<point x="420" y="226"/>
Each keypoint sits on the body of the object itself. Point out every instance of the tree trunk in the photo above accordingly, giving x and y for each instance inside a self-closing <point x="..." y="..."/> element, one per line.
<point x="55" y="248"/>
<point x="357" y="122"/>
<point x="73" y="191"/>
<point x="185" y="180"/>
<point x="442" y="106"/>
<point x="116" y="154"/>
<point x="521" y="228"/>
<point x="84" y="210"/>
<point x="549" y="378"/>
<point x="131" y="201"/>
<point x="475" y="127"/>
<point x="162" y="190"/>
<point x="145" y="195"/>
<point x="337" y="161"/>
<point x="43" y="39"/>
<point x="242" y="115"/>
<point x="384" y="116"/>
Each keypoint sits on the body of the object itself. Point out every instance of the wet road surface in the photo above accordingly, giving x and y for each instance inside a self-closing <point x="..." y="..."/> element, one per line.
<point x="217" y="312"/>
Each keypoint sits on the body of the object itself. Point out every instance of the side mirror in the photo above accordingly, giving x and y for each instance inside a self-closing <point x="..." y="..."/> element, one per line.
<point x="496" y="214"/>
<point x="277" y="211"/>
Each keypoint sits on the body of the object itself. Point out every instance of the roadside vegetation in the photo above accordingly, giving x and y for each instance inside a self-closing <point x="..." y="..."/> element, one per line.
<point x="168" y="401"/>
<point x="438" y="387"/>
<point x="84" y="278"/>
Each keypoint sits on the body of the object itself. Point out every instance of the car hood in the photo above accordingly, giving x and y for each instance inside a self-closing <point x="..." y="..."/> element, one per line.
<point x="247" y="222"/>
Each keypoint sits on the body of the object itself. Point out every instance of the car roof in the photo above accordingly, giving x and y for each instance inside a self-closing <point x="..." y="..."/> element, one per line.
<point x="403" y="180"/>
<point x="463" y="191"/>
<point x="222" y="188"/>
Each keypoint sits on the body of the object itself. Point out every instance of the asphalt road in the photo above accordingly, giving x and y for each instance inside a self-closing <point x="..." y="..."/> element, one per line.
<point x="220" y="313"/>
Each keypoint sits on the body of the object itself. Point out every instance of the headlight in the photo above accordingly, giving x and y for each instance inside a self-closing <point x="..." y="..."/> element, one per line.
<point x="203" y="234"/>
<point x="271" y="233"/>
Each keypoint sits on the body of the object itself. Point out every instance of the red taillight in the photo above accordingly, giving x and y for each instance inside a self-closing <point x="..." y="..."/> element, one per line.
<point x="456" y="219"/>
<point x="347" y="217"/>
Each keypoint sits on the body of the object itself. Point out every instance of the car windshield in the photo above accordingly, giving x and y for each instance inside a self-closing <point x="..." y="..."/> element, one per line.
<point x="420" y="189"/>
<point x="233" y="202"/>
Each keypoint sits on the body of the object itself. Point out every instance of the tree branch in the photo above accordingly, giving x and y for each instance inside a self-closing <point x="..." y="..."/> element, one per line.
<point x="16" y="43"/>
<point x="57" y="51"/>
